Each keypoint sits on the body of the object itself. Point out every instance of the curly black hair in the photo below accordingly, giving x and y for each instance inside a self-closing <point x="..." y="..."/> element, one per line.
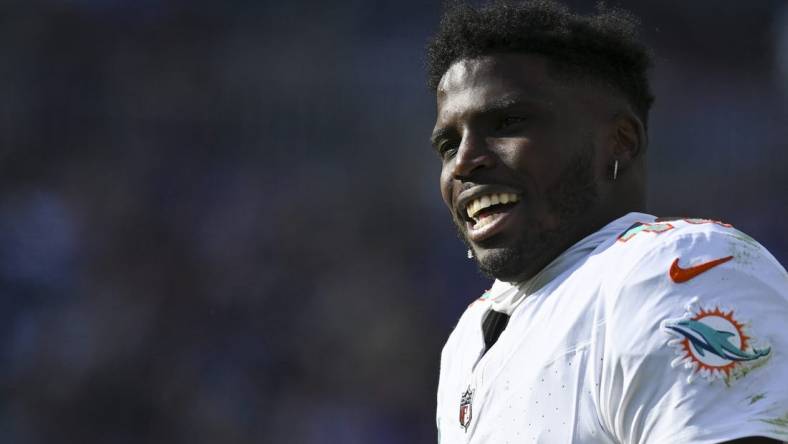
<point x="603" y="47"/>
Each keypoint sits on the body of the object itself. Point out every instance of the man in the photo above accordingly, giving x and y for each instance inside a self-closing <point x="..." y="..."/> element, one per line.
<point x="604" y="324"/>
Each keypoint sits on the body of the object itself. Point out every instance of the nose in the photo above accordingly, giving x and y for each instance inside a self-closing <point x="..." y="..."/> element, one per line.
<point x="473" y="155"/>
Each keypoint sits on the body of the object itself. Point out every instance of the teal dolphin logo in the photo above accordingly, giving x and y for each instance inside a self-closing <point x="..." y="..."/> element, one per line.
<point x="707" y="339"/>
<point x="714" y="344"/>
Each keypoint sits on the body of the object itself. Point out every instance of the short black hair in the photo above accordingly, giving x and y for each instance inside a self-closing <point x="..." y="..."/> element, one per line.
<point x="603" y="46"/>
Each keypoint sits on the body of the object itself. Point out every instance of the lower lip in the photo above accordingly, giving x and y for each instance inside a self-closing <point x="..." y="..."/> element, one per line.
<point x="497" y="224"/>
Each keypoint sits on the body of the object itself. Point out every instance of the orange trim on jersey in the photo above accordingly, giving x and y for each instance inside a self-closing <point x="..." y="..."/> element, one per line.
<point x="642" y="226"/>
<point x="483" y="297"/>
<point x="694" y="221"/>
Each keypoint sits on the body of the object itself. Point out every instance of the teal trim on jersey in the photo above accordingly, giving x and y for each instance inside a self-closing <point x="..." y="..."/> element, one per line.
<point x="656" y="228"/>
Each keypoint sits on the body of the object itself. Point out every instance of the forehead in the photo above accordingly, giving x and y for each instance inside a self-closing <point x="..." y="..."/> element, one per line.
<point x="497" y="76"/>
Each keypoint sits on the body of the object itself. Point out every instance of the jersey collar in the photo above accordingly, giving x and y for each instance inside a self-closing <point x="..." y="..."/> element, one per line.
<point x="505" y="297"/>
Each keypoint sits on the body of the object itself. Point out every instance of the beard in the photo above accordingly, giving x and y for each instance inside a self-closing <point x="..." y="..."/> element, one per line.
<point x="573" y="197"/>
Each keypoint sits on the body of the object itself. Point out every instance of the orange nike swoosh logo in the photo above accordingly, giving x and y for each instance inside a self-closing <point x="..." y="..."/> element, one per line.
<point x="680" y="275"/>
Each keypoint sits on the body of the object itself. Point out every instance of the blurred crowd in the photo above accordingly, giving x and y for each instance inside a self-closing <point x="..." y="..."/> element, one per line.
<point x="219" y="221"/>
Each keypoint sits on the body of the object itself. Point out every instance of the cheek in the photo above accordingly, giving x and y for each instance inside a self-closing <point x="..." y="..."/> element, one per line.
<point x="446" y="186"/>
<point x="534" y="165"/>
<point x="524" y="153"/>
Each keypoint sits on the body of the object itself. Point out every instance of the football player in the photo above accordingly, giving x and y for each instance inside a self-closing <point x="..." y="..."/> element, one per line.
<point x="604" y="324"/>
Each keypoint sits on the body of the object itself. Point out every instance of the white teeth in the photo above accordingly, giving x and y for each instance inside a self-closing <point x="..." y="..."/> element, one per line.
<point x="483" y="202"/>
<point x="484" y="220"/>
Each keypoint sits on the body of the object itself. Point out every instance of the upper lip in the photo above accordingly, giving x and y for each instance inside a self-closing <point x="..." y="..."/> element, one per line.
<point x="467" y="196"/>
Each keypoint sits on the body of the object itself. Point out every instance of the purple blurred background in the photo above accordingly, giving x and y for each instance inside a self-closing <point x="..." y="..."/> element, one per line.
<point x="220" y="222"/>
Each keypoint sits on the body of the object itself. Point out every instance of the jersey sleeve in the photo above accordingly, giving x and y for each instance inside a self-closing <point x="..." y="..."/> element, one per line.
<point x="696" y="343"/>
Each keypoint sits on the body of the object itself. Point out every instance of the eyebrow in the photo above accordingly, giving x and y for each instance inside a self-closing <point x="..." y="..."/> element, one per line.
<point x="507" y="102"/>
<point x="500" y="104"/>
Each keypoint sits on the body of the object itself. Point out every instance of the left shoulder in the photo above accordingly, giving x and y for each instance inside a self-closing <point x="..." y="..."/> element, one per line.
<point x="683" y="250"/>
<point x="701" y="301"/>
<point x="693" y="269"/>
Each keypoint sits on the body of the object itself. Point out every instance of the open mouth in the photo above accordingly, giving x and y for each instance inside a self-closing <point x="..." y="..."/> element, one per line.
<point x="484" y="211"/>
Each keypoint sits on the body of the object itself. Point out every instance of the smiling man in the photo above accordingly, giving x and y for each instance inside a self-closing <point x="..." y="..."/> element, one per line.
<point x="604" y="323"/>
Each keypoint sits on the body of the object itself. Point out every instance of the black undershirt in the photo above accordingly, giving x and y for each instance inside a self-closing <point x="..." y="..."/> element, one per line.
<point x="493" y="325"/>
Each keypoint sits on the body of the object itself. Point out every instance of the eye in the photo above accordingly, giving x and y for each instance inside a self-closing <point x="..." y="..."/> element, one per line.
<point x="447" y="149"/>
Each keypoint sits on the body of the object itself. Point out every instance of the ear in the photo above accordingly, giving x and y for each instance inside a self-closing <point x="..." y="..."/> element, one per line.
<point x="628" y="137"/>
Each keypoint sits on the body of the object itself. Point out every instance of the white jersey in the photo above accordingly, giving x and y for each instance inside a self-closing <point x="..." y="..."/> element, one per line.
<point x="647" y="331"/>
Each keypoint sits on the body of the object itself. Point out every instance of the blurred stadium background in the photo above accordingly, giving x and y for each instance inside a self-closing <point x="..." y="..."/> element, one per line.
<point x="220" y="223"/>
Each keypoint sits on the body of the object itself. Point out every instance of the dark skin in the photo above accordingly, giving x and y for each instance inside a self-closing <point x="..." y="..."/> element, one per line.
<point x="508" y="124"/>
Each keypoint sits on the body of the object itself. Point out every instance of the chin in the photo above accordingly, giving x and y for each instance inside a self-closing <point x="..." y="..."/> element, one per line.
<point x="522" y="258"/>
<point x="504" y="264"/>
